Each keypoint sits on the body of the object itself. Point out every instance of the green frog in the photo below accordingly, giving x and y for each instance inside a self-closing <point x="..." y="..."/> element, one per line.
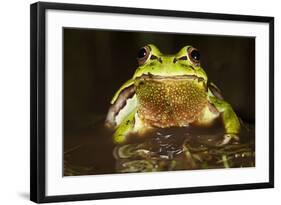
<point x="169" y="91"/>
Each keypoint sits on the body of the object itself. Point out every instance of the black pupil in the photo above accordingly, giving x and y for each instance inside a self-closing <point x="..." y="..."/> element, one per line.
<point x="142" y="53"/>
<point x="195" y="55"/>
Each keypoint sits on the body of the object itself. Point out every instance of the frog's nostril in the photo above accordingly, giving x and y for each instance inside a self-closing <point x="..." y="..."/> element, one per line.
<point x="175" y="60"/>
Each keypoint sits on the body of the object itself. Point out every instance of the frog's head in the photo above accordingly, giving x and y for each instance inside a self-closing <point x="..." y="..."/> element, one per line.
<point x="185" y="63"/>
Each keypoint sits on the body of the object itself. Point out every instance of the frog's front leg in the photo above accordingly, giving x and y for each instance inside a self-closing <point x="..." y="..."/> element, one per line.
<point x="124" y="128"/>
<point x="230" y="119"/>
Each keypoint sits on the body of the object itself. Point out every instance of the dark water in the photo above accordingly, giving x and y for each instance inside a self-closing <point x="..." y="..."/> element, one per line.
<point x="91" y="151"/>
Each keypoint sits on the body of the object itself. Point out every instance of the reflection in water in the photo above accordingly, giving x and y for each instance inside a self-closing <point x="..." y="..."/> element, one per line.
<point x="161" y="150"/>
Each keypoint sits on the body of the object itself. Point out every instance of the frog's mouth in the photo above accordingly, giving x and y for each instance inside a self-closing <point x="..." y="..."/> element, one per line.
<point x="174" y="78"/>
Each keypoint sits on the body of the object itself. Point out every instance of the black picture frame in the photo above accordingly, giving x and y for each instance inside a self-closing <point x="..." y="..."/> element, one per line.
<point x="38" y="103"/>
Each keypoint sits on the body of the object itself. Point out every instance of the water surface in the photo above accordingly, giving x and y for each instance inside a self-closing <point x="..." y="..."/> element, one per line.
<point x="91" y="151"/>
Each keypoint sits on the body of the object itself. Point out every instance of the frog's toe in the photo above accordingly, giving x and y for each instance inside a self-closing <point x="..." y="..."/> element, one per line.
<point x="228" y="138"/>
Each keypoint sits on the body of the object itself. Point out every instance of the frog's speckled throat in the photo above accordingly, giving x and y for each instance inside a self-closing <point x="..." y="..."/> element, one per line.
<point x="170" y="101"/>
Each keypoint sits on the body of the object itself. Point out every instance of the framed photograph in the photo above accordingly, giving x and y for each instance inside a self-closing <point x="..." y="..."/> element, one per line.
<point x="129" y="102"/>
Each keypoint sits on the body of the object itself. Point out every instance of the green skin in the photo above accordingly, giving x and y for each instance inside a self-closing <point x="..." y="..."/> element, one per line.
<point x="169" y="66"/>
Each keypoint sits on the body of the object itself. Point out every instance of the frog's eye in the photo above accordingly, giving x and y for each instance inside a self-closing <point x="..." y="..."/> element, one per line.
<point x="143" y="55"/>
<point x="193" y="55"/>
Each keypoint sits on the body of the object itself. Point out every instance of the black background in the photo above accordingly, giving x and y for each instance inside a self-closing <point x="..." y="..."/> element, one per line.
<point x="98" y="62"/>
